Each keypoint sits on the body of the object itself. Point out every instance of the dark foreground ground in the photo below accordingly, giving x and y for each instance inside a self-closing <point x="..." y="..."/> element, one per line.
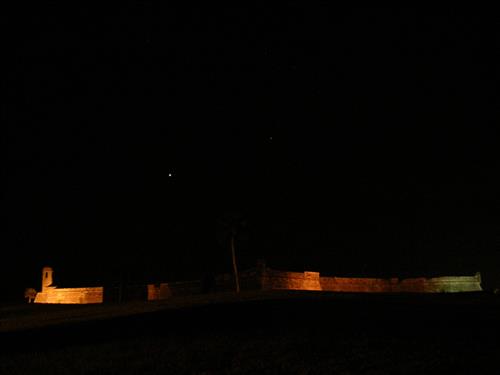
<point x="294" y="335"/>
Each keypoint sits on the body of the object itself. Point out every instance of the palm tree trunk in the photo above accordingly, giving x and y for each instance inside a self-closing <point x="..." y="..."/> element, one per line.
<point x="235" y="267"/>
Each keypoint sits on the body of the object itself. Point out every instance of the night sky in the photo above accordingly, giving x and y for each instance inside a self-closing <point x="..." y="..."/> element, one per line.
<point x="352" y="141"/>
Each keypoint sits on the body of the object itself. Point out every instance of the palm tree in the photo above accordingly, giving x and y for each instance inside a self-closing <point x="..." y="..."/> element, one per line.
<point x="231" y="224"/>
<point x="233" y="256"/>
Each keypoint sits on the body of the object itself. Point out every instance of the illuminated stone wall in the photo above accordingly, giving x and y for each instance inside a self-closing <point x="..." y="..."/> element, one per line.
<point x="269" y="279"/>
<point x="52" y="294"/>
<point x="153" y="292"/>
<point x="167" y="290"/>
<point x="70" y="295"/>
<point x="157" y="292"/>
<point x="445" y="284"/>
<point x="360" y="285"/>
<point x="272" y="279"/>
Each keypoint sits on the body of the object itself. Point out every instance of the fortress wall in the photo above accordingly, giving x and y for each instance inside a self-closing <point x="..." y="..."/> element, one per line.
<point x="249" y="280"/>
<point x="445" y="284"/>
<point x="167" y="290"/>
<point x="153" y="292"/>
<point x="224" y="282"/>
<point x="183" y="288"/>
<point x="70" y="295"/>
<point x="360" y="285"/>
<point x="159" y="292"/>
<point x="269" y="279"/>
<point x="272" y="279"/>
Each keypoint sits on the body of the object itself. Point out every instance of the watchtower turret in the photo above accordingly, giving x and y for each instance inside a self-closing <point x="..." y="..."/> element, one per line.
<point x="47" y="278"/>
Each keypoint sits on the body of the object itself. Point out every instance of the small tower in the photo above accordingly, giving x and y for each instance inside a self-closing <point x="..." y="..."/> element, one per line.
<point x="46" y="278"/>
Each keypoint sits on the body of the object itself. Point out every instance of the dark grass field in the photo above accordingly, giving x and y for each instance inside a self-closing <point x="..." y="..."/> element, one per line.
<point x="292" y="333"/>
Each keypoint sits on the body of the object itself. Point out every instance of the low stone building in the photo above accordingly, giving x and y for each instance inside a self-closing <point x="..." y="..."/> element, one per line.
<point x="52" y="294"/>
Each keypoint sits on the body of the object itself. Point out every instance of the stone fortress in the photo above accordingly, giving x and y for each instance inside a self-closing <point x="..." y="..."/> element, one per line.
<point x="52" y="294"/>
<point x="266" y="279"/>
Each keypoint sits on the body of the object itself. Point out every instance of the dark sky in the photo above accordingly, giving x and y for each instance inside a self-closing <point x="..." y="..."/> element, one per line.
<point x="351" y="141"/>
